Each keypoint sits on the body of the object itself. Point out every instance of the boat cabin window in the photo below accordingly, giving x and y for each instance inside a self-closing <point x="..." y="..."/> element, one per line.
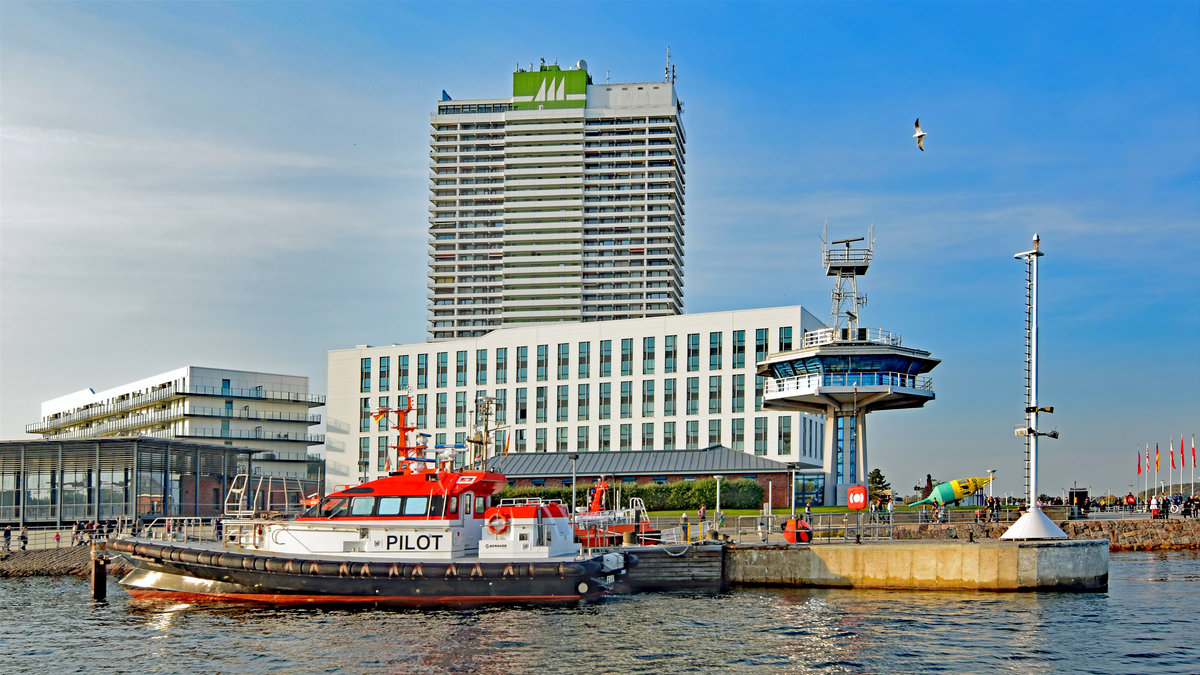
<point x="362" y="506"/>
<point x="331" y="507"/>
<point x="390" y="506"/>
<point x="452" y="507"/>
<point x="416" y="506"/>
<point x="468" y="502"/>
<point x="480" y="504"/>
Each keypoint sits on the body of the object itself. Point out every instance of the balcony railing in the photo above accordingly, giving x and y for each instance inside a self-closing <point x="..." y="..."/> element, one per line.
<point x="810" y="383"/>
<point x="254" y="435"/>
<point x="95" y="410"/>
<point x="823" y="336"/>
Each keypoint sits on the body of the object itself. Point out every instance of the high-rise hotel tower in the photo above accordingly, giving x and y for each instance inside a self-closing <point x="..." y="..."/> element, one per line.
<point x="563" y="202"/>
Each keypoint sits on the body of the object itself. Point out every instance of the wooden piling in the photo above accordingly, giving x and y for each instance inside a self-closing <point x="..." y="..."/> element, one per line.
<point x="99" y="576"/>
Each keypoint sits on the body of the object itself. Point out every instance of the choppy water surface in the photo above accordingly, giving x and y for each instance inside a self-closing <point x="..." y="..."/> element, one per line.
<point x="1147" y="622"/>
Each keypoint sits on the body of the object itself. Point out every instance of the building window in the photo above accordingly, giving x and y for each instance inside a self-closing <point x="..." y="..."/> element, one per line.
<point x="563" y="403"/>
<point x="480" y="366"/>
<point x="520" y="440"/>
<point x="422" y="407"/>
<point x="648" y="398"/>
<point x="385" y="373"/>
<point x="738" y="434"/>
<point x="714" y="432"/>
<point x="605" y="358"/>
<point x="522" y="405"/>
<point x="537" y="482"/>
<point x="502" y="365"/>
<point x="846" y="449"/>
<point x="785" y="339"/>
<point x="583" y="396"/>
<point x="560" y="440"/>
<point x="460" y="369"/>
<point x="670" y="355"/>
<point x="422" y="371"/>
<point x="669" y="435"/>
<point x="714" y="394"/>
<point x="605" y="400"/>
<point x="760" y="435"/>
<point x="543" y="359"/>
<point x="366" y="375"/>
<point x="402" y="372"/>
<point x="714" y="351"/>
<point x="585" y="360"/>
<point x="659" y="480"/>
<point x="605" y="442"/>
<point x="648" y="356"/>
<point x="785" y="435"/>
<point x="501" y="405"/>
<point x="442" y="368"/>
<point x="626" y="399"/>
<point x="364" y="455"/>
<point x="439" y="419"/>
<point x="383" y="418"/>
<point x="522" y="364"/>
<point x="739" y="349"/>
<point x="539" y="436"/>
<point x="739" y="394"/>
<point x="627" y="356"/>
<point x="364" y="414"/>
<point x="693" y="352"/>
<point x="648" y="435"/>
<point x="581" y="439"/>
<point x="564" y="361"/>
<point x="758" y="392"/>
<point x="692" y="441"/>
<point x="381" y="457"/>
<point x="460" y="409"/>
<point x="626" y="437"/>
<point x="669" y="397"/>
<point x="760" y="344"/>
<point x="540" y="411"/>
<point x="693" y="396"/>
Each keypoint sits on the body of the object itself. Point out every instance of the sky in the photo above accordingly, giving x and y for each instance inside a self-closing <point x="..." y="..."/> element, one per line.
<point x="245" y="185"/>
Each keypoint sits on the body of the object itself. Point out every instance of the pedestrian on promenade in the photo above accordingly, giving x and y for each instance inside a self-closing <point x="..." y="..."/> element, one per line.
<point x="808" y="511"/>
<point x="24" y="537"/>
<point x="889" y="510"/>
<point x="7" y="538"/>
<point x="56" y="539"/>
<point x="702" y="512"/>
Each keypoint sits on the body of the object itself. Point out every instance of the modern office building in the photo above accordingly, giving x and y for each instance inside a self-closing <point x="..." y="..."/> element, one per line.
<point x="260" y="411"/>
<point x="563" y="202"/>
<point x="657" y="383"/>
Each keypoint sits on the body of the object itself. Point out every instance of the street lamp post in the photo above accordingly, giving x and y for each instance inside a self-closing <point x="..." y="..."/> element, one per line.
<point x="574" y="458"/>
<point x="717" y="513"/>
<point x="991" y="476"/>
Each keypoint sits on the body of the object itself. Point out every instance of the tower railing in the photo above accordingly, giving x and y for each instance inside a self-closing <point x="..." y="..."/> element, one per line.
<point x="869" y="378"/>
<point x="823" y="336"/>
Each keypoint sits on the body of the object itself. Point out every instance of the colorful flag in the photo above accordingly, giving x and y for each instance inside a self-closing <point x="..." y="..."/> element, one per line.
<point x="508" y="443"/>
<point x="1193" y="451"/>
<point x="1171" y="452"/>
<point x="1139" y="462"/>
<point x="1156" y="457"/>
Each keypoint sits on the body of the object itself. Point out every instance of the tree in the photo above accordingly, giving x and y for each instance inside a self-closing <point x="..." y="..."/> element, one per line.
<point x="877" y="486"/>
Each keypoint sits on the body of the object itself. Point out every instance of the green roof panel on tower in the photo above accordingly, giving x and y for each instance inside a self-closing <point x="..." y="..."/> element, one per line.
<point x="550" y="87"/>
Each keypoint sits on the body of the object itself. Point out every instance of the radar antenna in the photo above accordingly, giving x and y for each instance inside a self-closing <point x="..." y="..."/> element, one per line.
<point x="846" y="263"/>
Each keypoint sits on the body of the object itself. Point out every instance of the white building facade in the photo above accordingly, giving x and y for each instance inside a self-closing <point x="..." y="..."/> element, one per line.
<point x="261" y="411"/>
<point x="685" y="381"/>
<point x="563" y="202"/>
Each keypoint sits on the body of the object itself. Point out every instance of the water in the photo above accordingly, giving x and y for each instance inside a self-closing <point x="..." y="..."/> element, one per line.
<point x="1146" y="622"/>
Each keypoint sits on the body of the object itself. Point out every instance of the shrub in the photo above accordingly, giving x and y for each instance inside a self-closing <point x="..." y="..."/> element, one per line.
<point x="684" y="495"/>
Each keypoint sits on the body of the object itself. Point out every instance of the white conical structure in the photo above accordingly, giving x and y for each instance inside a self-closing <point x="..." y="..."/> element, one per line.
<point x="1034" y="524"/>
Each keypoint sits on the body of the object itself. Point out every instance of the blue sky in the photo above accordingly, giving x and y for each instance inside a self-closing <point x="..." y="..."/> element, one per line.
<point x="245" y="185"/>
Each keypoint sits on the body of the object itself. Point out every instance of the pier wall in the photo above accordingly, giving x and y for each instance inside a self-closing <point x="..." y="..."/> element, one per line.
<point x="1078" y="565"/>
<point x="1123" y="535"/>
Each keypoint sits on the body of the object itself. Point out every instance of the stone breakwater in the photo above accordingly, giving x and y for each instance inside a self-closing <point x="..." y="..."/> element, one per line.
<point x="1123" y="535"/>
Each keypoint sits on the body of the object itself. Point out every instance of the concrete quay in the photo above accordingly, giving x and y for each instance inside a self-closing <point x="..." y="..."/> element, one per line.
<point x="1126" y="534"/>
<point x="1002" y="566"/>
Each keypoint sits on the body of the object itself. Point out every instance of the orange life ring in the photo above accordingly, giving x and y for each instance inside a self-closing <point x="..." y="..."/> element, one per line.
<point x="498" y="523"/>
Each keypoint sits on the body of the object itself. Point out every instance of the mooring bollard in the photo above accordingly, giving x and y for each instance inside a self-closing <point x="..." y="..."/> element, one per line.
<point x="99" y="576"/>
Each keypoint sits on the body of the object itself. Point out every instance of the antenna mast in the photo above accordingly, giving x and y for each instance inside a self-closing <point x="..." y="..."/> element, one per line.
<point x="846" y="265"/>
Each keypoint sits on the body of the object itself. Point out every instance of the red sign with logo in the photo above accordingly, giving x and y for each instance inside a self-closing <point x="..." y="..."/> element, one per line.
<point x="856" y="496"/>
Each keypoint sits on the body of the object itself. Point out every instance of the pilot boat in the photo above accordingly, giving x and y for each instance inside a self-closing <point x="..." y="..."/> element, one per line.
<point x="422" y="536"/>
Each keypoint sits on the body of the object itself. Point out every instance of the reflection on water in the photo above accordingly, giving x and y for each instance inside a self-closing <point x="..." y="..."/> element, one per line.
<point x="1145" y="623"/>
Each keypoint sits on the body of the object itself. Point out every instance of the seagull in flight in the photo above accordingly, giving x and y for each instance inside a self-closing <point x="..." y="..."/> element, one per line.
<point x="920" y="135"/>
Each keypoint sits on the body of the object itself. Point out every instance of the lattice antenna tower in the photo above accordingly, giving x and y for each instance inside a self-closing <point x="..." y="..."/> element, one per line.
<point x="846" y="263"/>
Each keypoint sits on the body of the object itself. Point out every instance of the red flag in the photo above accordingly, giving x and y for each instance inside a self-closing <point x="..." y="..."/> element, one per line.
<point x="1171" y="452"/>
<point x="1139" y="462"/>
<point x="1193" y="451"/>
<point x="1156" y="457"/>
<point x="1182" y="457"/>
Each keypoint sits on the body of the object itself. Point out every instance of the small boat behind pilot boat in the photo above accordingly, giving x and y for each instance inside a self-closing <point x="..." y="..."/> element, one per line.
<point x="418" y="537"/>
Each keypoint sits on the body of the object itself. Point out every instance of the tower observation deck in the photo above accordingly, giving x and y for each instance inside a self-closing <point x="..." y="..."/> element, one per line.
<point x="844" y="371"/>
